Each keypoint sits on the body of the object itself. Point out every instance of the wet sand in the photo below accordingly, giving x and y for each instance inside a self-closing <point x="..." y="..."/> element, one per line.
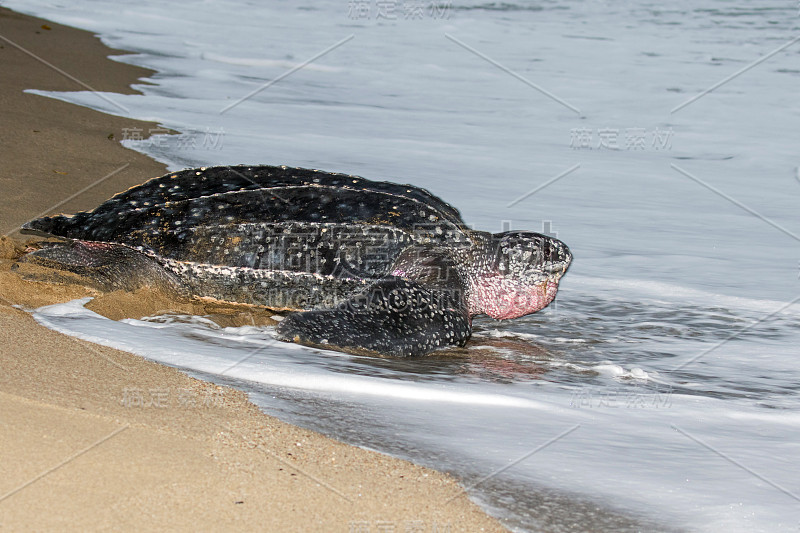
<point x="93" y="438"/>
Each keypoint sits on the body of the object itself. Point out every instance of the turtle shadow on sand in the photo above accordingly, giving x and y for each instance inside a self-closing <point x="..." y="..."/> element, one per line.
<point x="362" y="266"/>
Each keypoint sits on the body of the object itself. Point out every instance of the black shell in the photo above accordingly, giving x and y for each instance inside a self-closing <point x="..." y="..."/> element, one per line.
<point x="275" y="236"/>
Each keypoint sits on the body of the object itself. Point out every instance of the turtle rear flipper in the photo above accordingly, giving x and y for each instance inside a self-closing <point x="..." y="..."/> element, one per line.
<point x="105" y="266"/>
<point x="394" y="317"/>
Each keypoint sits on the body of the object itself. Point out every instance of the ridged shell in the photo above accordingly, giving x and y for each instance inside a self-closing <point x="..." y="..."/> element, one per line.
<point x="291" y="221"/>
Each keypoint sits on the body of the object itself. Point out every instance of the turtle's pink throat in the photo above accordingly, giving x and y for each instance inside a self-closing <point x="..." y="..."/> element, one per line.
<point x="502" y="298"/>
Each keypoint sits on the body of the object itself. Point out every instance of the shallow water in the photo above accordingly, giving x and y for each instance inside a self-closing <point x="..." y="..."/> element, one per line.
<point x="670" y="353"/>
<point x="668" y="423"/>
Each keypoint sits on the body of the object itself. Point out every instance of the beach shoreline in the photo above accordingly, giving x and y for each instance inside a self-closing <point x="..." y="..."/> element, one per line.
<point x="96" y="438"/>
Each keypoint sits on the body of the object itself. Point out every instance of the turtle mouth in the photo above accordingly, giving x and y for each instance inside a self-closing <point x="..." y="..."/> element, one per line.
<point x="546" y="273"/>
<point x="554" y="270"/>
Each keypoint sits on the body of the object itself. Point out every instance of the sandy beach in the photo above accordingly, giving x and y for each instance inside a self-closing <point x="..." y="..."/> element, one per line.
<point x="97" y="439"/>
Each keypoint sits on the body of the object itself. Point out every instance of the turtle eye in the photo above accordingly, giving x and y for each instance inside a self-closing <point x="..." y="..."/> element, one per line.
<point x="552" y="251"/>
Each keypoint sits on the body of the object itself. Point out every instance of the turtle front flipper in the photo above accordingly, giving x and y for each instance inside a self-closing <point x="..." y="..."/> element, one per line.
<point x="394" y="317"/>
<point x="105" y="266"/>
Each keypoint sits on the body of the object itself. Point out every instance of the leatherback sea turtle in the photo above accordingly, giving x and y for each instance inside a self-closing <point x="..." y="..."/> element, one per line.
<point x="372" y="267"/>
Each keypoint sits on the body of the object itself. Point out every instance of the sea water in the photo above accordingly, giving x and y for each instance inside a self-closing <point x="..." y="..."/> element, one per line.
<point x="658" y="140"/>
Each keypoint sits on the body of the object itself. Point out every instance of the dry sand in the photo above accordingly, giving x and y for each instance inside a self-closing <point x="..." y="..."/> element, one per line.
<point x="93" y="438"/>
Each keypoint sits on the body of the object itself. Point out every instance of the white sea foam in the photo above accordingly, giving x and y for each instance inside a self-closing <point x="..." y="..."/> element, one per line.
<point x="497" y="334"/>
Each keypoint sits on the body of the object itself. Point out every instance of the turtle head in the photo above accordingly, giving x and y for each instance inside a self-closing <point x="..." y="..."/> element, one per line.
<point x="519" y="275"/>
